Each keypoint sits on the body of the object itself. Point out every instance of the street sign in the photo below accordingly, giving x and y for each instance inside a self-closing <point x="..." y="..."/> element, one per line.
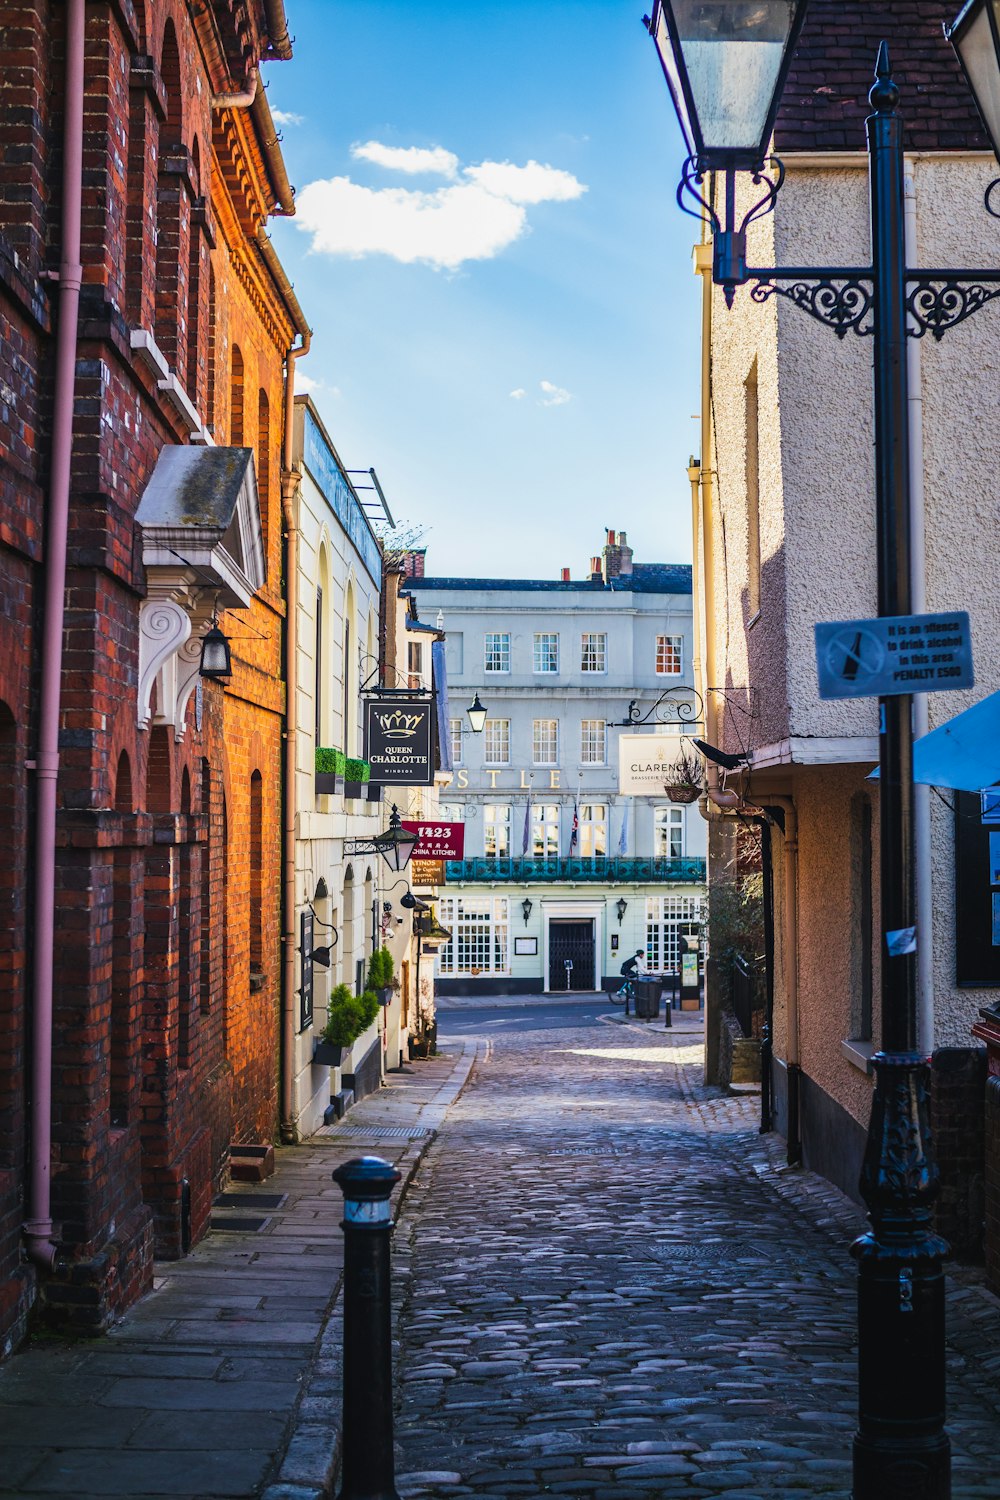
<point x="399" y="741"/>
<point x="426" y="873"/>
<point x="894" y="655"/>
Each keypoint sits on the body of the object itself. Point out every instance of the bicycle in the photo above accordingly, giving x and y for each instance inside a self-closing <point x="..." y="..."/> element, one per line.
<point x="624" y="994"/>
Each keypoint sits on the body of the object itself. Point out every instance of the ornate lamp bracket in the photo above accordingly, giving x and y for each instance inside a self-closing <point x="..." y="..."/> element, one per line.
<point x="679" y="706"/>
<point x="729" y="233"/>
<point x="842" y="299"/>
<point x="937" y="301"/>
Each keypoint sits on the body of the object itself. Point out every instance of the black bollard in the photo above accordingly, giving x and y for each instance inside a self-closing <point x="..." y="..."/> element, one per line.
<point x="368" y="1469"/>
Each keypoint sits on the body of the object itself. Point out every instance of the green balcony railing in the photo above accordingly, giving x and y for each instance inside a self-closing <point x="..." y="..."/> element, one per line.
<point x="603" y="869"/>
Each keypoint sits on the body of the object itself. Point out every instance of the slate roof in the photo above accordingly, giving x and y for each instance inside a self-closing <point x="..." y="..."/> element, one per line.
<point x="825" y="101"/>
<point x="645" y="578"/>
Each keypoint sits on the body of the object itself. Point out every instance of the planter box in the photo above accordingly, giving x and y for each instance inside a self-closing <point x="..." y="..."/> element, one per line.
<point x="327" y="1054"/>
<point x="328" y="783"/>
<point x="358" y="790"/>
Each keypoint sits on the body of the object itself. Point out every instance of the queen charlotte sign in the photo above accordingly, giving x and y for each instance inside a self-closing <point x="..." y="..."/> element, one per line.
<point x="399" y="741"/>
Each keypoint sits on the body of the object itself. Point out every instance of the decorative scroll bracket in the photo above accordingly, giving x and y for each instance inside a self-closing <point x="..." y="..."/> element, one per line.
<point x="679" y="706"/>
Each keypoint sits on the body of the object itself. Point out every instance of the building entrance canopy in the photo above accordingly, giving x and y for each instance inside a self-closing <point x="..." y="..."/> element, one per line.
<point x="963" y="754"/>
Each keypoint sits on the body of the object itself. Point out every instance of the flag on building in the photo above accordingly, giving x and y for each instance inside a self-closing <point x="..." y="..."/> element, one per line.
<point x="526" y="836"/>
<point x="623" y="836"/>
<point x="574" y="836"/>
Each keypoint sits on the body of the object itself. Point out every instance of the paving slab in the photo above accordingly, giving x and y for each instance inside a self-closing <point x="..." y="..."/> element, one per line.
<point x="225" y="1380"/>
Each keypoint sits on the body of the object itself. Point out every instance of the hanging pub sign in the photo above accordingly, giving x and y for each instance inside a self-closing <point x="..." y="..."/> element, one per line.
<point x="437" y="840"/>
<point x="645" y="761"/>
<point x="399" y="741"/>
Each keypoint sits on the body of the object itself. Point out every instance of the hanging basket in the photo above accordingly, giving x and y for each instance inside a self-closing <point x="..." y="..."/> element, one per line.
<point x="683" y="793"/>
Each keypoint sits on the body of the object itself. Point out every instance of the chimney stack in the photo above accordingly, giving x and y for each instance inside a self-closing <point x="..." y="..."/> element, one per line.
<point x="564" y="575"/>
<point x="617" y="559"/>
<point x="596" y="575"/>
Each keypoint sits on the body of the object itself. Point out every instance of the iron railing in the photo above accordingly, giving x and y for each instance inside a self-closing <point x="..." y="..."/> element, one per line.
<point x="603" y="869"/>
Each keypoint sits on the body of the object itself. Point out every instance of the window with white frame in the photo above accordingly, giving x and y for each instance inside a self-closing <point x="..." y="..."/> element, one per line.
<point x="669" y="655"/>
<point x="415" y="657"/>
<point x="545" y="831"/>
<point x="668" y="918"/>
<point x="593" y="652"/>
<point x="545" y="742"/>
<point x="593" y="830"/>
<point x="496" y="742"/>
<point x="479" y="927"/>
<point x="668" y="832"/>
<point x="496" y="651"/>
<point x="593" y="742"/>
<point x="496" y="830"/>
<point x="455" y="738"/>
<point x="546" y="657"/>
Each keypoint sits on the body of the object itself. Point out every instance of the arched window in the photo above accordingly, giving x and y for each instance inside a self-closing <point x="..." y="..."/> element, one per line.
<point x="236" y="399"/>
<point x="205" y="966"/>
<point x="123" y="1081"/>
<point x="264" y="461"/>
<point x="256" y="881"/>
<point x="197" y="265"/>
<point x="187" y="940"/>
<point x="12" y="898"/>
<point x="140" y="204"/>
<point x="211" y="354"/>
<point x="350" y="705"/>
<point x="172" y="219"/>
<point x="158" y="771"/>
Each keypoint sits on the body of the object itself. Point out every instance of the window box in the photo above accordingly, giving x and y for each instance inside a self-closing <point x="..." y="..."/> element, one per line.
<point x="331" y="768"/>
<point x="326" y="1054"/>
<point x="356" y="777"/>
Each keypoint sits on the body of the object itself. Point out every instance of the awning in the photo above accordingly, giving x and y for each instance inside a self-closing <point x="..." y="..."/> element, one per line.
<point x="963" y="754"/>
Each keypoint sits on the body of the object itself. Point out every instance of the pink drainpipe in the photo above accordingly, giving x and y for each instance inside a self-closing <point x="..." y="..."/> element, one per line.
<point x="38" y="1229"/>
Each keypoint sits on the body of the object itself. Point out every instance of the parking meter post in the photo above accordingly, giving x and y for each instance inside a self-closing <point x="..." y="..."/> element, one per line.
<point x="368" y="1469"/>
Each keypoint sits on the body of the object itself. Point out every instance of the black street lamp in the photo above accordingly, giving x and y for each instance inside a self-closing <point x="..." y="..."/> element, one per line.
<point x="396" y="844"/>
<point x="477" y="715"/>
<point x="215" y="661"/>
<point x="726" y="64"/>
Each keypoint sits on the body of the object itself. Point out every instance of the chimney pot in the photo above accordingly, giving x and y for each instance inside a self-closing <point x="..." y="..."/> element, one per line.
<point x="565" y="575"/>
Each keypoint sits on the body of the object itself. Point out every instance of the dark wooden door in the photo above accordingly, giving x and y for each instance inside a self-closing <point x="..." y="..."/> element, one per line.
<point x="571" y="938"/>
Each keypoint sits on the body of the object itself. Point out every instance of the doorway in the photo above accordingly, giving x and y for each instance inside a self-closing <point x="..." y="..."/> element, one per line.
<point x="571" y="939"/>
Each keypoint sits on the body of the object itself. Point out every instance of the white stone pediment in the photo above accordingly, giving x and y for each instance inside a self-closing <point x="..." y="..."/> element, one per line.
<point x="203" y="551"/>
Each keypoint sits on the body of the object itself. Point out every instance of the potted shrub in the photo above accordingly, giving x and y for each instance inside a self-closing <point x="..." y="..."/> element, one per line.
<point x="380" y="973"/>
<point x="331" y="766"/>
<point x="685" y="781"/>
<point x="348" y="1016"/>
<point x="357" y="774"/>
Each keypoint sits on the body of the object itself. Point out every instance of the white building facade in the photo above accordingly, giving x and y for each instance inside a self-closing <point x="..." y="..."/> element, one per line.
<point x="563" y="876"/>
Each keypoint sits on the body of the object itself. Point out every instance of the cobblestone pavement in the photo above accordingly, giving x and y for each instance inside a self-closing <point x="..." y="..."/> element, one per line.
<point x="608" y="1287"/>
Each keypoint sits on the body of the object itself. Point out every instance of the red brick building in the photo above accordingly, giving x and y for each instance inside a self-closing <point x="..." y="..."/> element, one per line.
<point x="145" y="329"/>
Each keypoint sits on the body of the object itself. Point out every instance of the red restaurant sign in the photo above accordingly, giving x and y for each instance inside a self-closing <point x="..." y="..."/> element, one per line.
<point x="438" y="840"/>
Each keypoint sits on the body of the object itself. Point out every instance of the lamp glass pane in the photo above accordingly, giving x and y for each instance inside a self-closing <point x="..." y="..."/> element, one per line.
<point x="976" y="46"/>
<point x="733" y="52"/>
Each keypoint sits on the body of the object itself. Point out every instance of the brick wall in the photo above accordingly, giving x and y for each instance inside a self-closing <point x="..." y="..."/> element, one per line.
<point x="164" y="1051"/>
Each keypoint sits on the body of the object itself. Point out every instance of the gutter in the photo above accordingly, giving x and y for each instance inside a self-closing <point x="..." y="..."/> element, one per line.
<point x="38" y="1228"/>
<point x="277" y="29"/>
<point x="271" y="146"/>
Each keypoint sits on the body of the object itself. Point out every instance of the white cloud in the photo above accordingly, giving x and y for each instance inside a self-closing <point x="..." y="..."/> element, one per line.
<point x="409" y="159"/>
<point x="473" y="218"/>
<point x="306" y="385"/>
<point x="532" y="183"/>
<point x="285" y="117"/>
<point x="553" y="395"/>
<point x="443" y="229"/>
<point x="518" y="395"/>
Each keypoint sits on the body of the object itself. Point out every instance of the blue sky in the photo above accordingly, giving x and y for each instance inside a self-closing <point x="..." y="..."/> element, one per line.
<point x="515" y="351"/>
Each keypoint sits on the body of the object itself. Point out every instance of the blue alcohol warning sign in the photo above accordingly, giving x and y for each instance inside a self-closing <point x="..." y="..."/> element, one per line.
<point x="896" y="654"/>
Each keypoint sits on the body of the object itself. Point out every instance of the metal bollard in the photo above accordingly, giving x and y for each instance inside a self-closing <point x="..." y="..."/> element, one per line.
<point x="368" y="1470"/>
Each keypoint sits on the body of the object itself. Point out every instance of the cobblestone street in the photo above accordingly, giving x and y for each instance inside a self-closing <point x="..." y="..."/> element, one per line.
<point x="609" y="1287"/>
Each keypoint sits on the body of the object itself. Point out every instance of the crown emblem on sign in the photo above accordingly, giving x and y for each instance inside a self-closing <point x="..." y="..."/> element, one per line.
<point x="397" y="725"/>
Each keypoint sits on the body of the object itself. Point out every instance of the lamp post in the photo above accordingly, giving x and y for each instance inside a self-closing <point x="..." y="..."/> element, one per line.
<point x="725" y="65"/>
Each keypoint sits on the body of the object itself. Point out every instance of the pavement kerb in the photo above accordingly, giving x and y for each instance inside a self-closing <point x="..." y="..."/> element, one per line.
<point x="307" y="1468"/>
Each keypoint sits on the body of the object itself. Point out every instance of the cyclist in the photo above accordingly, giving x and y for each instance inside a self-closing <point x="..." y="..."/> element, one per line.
<point x="630" y="970"/>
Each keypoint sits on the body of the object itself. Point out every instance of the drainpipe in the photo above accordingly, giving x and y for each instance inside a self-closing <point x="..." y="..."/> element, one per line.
<point x="289" y="492"/>
<point x="921" y="717"/>
<point x="242" y="100"/>
<point x="38" y="1228"/>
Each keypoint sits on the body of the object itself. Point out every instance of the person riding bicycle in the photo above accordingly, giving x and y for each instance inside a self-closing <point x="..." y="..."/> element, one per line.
<point x="631" y="969"/>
